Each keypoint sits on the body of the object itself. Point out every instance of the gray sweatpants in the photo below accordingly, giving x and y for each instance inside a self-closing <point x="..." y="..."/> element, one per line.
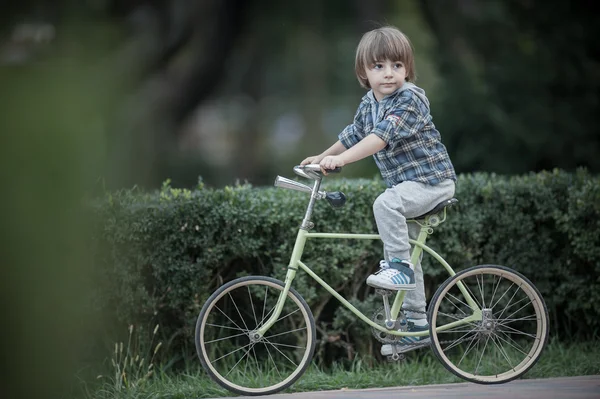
<point x="391" y="209"/>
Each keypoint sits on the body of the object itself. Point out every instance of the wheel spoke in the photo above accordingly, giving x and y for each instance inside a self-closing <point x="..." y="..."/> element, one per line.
<point x="224" y="338"/>
<point x="519" y="332"/>
<point x="472" y="296"/>
<point x="264" y="306"/>
<point x="252" y="306"/>
<point x="505" y="292"/>
<point x="515" y="345"/>
<point x="518" y="310"/>
<point x="286" y="345"/>
<point x="481" y="289"/>
<point x="467" y="350"/>
<point x="502" y="351"/>
<point x="238" y="312"/>
<point x="255" y="357"/>
<point x="286" y="332"/>
<point x="459" y="341"/>
<point x="234" y="323"/>
<point x="241" y="358"/>
<point x="283" y="354"/>
<point x="287" y="315"/>
<point x="508" y="321"/>
<point x="495" y="290"/>
<point x="272" y="360"/>
<point x="508" y="305"/>
<point x="227" y="327"/>
<point x="232" y="352"/>
<point x="458" y="300"/>
<point x="482" y="353"/>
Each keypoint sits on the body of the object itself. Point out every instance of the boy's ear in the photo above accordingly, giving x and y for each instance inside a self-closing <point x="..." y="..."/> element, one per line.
<point x="363" y="76"/>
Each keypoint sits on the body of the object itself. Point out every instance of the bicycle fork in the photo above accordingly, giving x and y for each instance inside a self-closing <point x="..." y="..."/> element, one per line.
<point x="289" y="277"/>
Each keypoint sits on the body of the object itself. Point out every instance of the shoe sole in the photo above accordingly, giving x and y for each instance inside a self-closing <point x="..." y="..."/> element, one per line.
<point x="393" y="287"/>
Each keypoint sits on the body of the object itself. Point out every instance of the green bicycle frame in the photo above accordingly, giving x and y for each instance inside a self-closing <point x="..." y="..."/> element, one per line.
<point x="419" y="246"/>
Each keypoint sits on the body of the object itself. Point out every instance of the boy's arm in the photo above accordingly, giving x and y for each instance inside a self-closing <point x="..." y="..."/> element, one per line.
<point x="366" y="147"/>
<point x="336" y="149"/>
<point x="348" y="138"/>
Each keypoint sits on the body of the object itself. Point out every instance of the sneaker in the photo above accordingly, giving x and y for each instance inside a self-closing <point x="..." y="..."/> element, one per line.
<point x="398" y="275"/>
<point x="386" y="350"/>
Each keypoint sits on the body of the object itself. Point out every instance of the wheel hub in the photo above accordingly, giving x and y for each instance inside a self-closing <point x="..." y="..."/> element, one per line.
<point x="254" y="337"/>
<point x="488" y="323"/>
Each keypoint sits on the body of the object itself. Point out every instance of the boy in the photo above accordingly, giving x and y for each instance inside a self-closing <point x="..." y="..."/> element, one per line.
<point x="394" y="125"/>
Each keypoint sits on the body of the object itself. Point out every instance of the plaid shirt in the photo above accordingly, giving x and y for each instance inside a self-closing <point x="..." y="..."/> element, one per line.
<point x="414" y="149"/>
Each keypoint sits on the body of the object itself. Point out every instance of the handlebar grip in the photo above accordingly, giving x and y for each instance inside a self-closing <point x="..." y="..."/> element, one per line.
<point x="317" y="168"/>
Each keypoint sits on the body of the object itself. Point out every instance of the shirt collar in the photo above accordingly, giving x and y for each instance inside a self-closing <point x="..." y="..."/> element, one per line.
<point x="370" y="97"/>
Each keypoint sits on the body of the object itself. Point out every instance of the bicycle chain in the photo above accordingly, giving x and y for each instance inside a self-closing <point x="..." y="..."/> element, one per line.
<point x="376" y="333"/>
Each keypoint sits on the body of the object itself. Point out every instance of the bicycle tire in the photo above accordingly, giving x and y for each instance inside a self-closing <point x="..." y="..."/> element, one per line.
<point x="517" y="334"/>
<point x="266" y="378"/>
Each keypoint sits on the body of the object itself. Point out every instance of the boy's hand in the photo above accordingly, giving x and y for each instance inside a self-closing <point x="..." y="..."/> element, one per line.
<point x="311" y="160"/>
<point x="331" y="162"/>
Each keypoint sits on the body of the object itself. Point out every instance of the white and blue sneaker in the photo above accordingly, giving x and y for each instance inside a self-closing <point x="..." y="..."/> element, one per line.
<point x="410" y="342"/>
<point x="394" y="275"/>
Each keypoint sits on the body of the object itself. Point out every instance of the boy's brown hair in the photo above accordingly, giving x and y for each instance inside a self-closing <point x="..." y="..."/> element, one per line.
<point x="381" y="44"/>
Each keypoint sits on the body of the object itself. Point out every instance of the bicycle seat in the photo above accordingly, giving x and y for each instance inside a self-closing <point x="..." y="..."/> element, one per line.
<point x="439" y="207"/>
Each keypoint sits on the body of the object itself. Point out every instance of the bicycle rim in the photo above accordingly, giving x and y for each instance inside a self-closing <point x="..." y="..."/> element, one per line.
<point x="508" y="340"/>
<point x="247" y="366"/>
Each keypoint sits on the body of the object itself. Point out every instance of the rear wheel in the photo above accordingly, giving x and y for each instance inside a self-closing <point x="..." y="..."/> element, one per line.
<point x="509" y="338"/>
<point x="239" y="360"/>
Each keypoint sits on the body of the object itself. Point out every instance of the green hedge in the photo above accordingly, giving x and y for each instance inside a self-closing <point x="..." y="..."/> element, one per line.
<point x="159" y="255"/>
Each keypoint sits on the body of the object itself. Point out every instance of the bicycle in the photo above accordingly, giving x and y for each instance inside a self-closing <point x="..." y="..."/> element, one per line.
<point x="256" y="335"/>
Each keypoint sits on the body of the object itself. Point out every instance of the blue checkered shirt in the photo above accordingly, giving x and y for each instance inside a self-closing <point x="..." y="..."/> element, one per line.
<point x="414" y="150"/>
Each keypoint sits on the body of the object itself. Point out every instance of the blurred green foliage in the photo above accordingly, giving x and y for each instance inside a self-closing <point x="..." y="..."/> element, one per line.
<point x="53" y="146"/>
<point x="160" y="255"/>
<point x="48" y="159"/>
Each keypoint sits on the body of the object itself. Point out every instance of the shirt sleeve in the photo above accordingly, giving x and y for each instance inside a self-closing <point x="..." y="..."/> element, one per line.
<point x="400" y="123"/>
<point x="353" y="133"/>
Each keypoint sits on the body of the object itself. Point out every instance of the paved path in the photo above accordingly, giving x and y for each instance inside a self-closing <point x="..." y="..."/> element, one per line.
<point x="587" y="387"/>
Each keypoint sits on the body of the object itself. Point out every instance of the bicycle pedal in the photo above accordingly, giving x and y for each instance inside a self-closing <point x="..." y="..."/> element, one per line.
<point x="399" y="357"/>
<point x="381" y="291"/>
<point x="401" y="349"/>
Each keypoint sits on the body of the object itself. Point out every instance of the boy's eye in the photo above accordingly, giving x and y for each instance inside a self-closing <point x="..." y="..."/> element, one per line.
<point x="398" y="65"/>
<point x="377" y="66"/>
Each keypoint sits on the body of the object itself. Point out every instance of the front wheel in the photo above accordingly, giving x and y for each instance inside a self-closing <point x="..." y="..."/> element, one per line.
<point x="241" y="362"/>
<point x="509" y="334"/>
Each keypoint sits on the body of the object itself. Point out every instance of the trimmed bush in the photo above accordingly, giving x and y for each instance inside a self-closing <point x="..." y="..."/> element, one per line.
<point x="160" y="255"/>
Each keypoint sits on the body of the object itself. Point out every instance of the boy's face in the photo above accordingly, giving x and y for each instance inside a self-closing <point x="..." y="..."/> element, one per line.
<point x="385" y="77"/>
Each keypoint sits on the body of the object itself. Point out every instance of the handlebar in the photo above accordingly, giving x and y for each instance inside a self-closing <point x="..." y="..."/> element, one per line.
<point x="336" y="199"/>
<point x="313" y="171"/>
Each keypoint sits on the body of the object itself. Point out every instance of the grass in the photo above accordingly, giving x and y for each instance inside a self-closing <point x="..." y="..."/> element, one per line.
<point x="558" y="360"/>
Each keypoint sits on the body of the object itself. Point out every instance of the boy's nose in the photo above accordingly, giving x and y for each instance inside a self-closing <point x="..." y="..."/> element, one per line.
<point x="388" y="71"/>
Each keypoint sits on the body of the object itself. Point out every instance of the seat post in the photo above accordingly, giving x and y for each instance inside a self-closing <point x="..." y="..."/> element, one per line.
<point x="424" y="232"/>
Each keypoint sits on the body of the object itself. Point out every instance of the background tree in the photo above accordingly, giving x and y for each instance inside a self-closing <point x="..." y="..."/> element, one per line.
<point x="242" y="89"/>
<point x="521" y="83"/>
